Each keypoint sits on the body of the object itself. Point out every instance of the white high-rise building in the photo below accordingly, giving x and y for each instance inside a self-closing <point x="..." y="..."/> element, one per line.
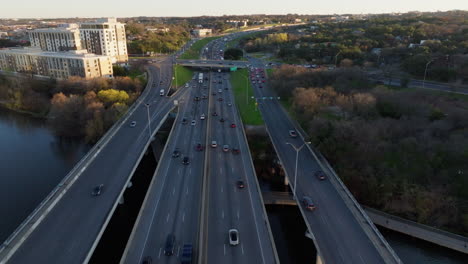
<point x="65" y="37"/>
<point x="105" y="37"/>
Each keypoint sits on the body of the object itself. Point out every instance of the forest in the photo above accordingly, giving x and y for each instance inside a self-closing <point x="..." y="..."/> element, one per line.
<point x="403" y="151"/>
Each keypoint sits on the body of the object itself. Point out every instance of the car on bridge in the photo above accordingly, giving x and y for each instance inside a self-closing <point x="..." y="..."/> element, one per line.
<point x="320" y="175"/>
<point x="292" y="133"/>
<point x="97" y="190"/>
<point x="214" y="144"/>
<point x="147" y="260"/>
<point x="176" y="153"/>
<point x="193" y="122"/>
<point x="235" y="150"/>
<point x="233" y="237"/>
<point x="308" y="204"/>
<point x="199" y="147"/>
<point x="170" y="244"/>
<point x="202" y="117"/>
<point x="233" y="125"/>
<point x="186" y="160"/>
<point x="240" y="184"/>
<point x="133" y="124"/>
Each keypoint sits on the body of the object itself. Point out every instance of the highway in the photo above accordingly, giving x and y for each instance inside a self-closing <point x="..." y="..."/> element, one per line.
<point x="228" y="205"/>
<point x="172" y="203"/>
<point x="338" y="234"/>
<point x="69" y="229"/>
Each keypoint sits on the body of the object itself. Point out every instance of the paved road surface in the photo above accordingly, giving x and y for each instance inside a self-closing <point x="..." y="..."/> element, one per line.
<point x="231" y="207"/>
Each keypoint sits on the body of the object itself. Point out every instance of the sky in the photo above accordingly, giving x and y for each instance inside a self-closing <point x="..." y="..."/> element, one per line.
<point x="131" y="8"/>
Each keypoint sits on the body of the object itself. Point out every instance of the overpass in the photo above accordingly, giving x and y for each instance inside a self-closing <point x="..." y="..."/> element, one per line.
<point x="67" y="225"/>
<point x="340" y="229"/>
<point x="212" y="64"/>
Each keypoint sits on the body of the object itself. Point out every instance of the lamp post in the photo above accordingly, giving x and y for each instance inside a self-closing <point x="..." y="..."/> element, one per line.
<point x="336" y="59"/>
<point x="149" y="120"/>
<point x="297" y="160"/>
<point x="425" y="73"/>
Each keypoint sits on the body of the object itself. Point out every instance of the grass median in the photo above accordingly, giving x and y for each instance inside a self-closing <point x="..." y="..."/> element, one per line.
<point x="183" y="74"/>
<point x="194" y="52"/>
<point x="249" y="113"/>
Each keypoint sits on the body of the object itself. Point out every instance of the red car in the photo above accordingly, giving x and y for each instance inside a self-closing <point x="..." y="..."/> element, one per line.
<point x="199" y="147"/>
<point x="220" y="99"/>
<point x="233" y="125"/>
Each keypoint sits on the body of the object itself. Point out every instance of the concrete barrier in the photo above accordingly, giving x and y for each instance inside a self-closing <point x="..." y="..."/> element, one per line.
<point x="424" y="232"/>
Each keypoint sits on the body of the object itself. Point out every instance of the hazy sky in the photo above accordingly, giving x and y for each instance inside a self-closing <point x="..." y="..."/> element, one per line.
<point x="129" y="8"/>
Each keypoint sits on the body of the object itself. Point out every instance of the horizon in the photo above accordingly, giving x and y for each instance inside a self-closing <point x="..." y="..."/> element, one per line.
<point x="53" y="9"/>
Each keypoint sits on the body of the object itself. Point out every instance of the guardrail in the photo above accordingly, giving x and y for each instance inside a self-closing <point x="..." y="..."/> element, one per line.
<point x="321" y="161"/>
<point x="76" y="171"/>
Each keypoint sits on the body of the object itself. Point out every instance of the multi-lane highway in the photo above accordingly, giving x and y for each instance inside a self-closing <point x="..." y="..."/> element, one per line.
<point x="172" y="204"/>
<point x="68" y="229"/>
<point x="233" y="200"/>
<point x="338" y="234"/>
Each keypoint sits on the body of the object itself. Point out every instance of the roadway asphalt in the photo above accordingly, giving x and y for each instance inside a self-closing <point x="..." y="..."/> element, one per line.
<point x="340" y="238"/>
<point x="67" y="233"/>
<point x="230" y="207"/>
<point x="172" y="204"/>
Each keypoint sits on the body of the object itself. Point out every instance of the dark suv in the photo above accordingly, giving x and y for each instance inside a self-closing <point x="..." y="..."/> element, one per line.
<point x="170" y="243"/>
<point x="186" y="161"/>
<point x="97" y="190"/>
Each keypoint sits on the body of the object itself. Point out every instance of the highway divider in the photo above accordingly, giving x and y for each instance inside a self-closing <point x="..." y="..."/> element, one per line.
<point x="39" y="213"/>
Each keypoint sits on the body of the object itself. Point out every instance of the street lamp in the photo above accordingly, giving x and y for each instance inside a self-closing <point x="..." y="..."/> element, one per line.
<point x="425" y="73"/>
<point x="297" y="160"/>
<point x="336" y="59"/>
<point x="149" y="120"/>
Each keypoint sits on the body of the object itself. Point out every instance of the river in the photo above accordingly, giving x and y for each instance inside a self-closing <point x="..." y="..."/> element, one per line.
<point x="33" y="161"/>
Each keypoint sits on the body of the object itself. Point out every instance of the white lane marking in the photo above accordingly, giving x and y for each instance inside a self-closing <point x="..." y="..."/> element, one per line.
<point x="222" y="189"/>
<point x="222" y="214"/>
<point x="186" y="191"/>
<point x="224" y="249"/>
<point x="167" y="218"/>
<point x="190" y="171"/>
<point x="232" y="169"/>
<point x="242" y="248"/>
<point x="178" y="250"/>
<point x="238" y="214"/>
<point x="220" y="170"/>
<point x="178" y="172"/>
<point x="160" y="249"/>
<point x="173" y="191"/>
<point x="183" y="217"/>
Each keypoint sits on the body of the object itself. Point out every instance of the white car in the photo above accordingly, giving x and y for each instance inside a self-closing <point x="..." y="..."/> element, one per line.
<point x="202" y="117"/>
<point x="233" y="237"/>
<point x="214" y="144"/>
<point x="226" y="148"/>
<point x="193" y="122"/>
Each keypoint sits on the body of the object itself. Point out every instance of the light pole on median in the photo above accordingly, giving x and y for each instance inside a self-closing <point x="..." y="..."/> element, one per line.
<point x="149" y="120"/>
<point x="297" y="160"/>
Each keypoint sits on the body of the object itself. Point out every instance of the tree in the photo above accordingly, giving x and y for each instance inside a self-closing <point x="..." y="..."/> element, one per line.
<point x="111" y="96"/>
<point x="233" y="54"/>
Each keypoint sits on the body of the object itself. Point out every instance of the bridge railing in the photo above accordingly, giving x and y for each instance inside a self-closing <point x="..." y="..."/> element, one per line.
<point x="52" y="198"/>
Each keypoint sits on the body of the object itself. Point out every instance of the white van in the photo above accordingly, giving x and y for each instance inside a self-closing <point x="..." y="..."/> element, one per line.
<point x="161" y="92"/>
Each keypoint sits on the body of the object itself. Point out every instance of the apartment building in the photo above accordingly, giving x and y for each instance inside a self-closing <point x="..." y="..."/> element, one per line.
<point x="58" y="65"/>
<point x="62" y="38"/>
<point x="202" y="32"/>
<point x="105" y="37"/>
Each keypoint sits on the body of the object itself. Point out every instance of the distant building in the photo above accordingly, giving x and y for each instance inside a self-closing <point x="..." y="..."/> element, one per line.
<point x="161" y="29"/>
<point x="58" y="65"/>
<point x="105" y="37"/>
<point x="203" y="32"/>
<point x="65" y="37"/>
<point x="413" y="45"/>
<point x="3" y="34"/>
